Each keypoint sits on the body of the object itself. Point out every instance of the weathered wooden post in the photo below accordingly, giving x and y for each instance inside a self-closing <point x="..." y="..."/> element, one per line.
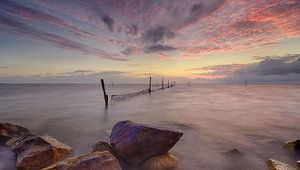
<point x="162" y="83"/>
<point x="168" y="84"/>
<point x="104" y="92"/>
<point x="150" y="85"/>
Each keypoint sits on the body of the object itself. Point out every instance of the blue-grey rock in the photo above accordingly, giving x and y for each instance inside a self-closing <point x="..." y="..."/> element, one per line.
<point x="135" y="143"/>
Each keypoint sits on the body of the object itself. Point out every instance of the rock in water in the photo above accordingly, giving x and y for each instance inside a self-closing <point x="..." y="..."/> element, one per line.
<point x="10" y="131"/>
<point x="135" y="143"/>
<point x="93" y="161"/>
<point x="277" y="165"/>
<point x="164" y="162"/>
<point x="36" y="152"/>
<point x="101" y="146"/>
<point x="293" y="146"/>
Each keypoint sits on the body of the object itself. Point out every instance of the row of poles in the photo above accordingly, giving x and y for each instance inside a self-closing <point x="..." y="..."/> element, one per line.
<point x="170" y="84"/>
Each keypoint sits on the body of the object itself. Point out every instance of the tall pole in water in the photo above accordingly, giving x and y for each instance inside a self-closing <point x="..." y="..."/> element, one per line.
<point x="168" y="84"/>
<point x="150" y="85"/>
<point x="162" y="83"/>
<point x="104" y="92"/>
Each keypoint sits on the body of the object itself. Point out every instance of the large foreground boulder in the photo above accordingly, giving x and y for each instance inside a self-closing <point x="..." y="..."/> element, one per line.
<point x="278" y="165"/>
<point x="36" y="152"/>
<point x="164" y="162"/>
<point x="9" y="131"/>
<point x="135" y="143"/>
<point x="93" y="161"/>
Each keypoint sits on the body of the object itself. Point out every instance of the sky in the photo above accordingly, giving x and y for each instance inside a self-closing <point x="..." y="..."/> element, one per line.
<point x="126" y="41"/>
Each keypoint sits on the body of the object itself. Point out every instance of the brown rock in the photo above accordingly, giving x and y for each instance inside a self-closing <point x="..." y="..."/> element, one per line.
<point x="135" y="143"/>
<point x="292" y="146"/>
<point x="35" y="152"/>
<point x="93" y="161"/>
<point x="278" y="165"/>
<point x="164" y="162"/>
<point x="10" y="132"/>
<point x="101" y="146"/>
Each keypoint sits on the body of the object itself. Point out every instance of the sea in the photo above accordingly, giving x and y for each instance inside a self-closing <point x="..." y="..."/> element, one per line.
<point x="256" y="119"/>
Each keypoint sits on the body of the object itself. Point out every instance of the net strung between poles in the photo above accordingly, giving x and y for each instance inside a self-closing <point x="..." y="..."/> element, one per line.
<point x="124" y="96"/>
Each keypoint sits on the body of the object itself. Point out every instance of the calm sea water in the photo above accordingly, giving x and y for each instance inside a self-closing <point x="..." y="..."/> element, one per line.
<point x="255" y="119"/>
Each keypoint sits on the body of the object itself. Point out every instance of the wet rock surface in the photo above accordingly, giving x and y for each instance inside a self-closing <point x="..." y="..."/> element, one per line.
<point x="135" y="143"/>
<point x="293" y="146"/>
<point x="164" y="162"/>
<point x="9" y="131"/>
<point x="101" y="146"/>
<point x="36" y="152"/>
<point x="93" y="161"/>
<point x="278" y="165"/>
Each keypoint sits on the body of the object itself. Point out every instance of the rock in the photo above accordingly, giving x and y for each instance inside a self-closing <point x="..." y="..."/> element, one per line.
<point x="36" y="152"/>
<point x="234" y="152"/>
<point x="101" y="146"/>
<point x="164" y="162"/>
<point x="11" y="132"/>
<point x="277" y="165"/>
<point x="135" y="143"/>
<point x="292" y="146"/>
<point x="93" y="161"/>
<point x="298" y="164"/>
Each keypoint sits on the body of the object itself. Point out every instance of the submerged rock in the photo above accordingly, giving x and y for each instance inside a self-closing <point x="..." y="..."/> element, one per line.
<point x="36" y="152"/>
<point x="278" y="165"/>
<point x="9" y="131"/>
<point x="164" y="162"/>
<point x="234" y="152"/>
<point x="293" y="146"/>
<point x="135" y="143"/>
<point x="101" y="146"/>
<point x="93" y="161"/>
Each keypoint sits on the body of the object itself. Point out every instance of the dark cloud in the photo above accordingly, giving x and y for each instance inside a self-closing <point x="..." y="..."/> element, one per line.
<point x="245" y="24"/>
<point x="16" y="9"/>
<point x="198" y="11"/>
<point x="127" y="51"/>
<point x="277" y="66"/>
<point x="3" y="67"/>
<point x="77" y="72"/>
<point x="196" y="7"/>
<point x="132" y="29"/>
<point x="62" y="42"/>
<point x="278" y="69"/>
<point x="157" y="34"/>
<point x="108" y="21"/>
<point x="159" y="47"/>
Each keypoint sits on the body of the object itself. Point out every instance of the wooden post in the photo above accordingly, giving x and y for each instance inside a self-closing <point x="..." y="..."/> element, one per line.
<point x="150" y="85"/>
<point x="168" y="84"/>
<point x="162" y="83"/>
<point x="104" y="92"/>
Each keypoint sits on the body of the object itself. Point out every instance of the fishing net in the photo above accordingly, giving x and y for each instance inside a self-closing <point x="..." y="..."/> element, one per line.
<point x="128" y="95"/>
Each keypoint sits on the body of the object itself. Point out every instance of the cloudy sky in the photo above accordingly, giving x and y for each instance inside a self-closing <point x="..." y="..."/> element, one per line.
<point x="130" y="40"/>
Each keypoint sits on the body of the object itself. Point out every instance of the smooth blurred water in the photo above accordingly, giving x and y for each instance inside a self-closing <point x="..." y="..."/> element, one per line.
<point x="255" y="119"/>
